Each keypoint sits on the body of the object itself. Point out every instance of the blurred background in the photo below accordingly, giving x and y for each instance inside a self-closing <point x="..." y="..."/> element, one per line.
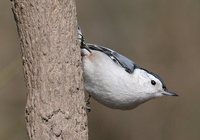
<point x="160" y="35"/>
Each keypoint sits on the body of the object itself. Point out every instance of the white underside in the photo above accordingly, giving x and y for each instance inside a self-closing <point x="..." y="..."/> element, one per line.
<point x="110" y="84"/>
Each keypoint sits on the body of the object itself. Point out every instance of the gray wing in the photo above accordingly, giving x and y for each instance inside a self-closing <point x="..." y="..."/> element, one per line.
<point x="126" y="63"/>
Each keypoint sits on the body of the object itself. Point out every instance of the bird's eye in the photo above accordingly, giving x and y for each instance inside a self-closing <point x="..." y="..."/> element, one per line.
<point x="153" y="82"/>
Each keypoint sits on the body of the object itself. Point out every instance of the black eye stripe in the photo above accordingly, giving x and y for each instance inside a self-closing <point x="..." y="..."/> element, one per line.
<point x="153" y="82"/>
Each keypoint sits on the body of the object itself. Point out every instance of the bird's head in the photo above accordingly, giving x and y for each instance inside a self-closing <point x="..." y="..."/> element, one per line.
<point x="151" y="85"/>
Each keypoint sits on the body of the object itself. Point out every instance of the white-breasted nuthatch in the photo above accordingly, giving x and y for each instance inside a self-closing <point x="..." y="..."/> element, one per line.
<point x="115" y="81"/>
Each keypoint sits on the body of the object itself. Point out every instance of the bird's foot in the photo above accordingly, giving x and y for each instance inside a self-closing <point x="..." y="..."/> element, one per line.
<point x="88" y="108"/>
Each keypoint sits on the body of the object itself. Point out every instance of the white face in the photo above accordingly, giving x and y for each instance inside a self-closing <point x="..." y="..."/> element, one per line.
<point x="154" y="85"/>
<point x="150" y="85"/>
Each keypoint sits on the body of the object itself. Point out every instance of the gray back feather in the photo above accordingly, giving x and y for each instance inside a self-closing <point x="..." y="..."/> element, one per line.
<point x="126" y="63"/>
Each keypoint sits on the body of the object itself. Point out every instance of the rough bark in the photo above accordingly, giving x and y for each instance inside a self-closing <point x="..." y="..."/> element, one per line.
<point x="55" y="107"/>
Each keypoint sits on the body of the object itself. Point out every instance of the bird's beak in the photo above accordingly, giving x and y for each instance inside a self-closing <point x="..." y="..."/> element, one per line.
<point x="167" y="93"/>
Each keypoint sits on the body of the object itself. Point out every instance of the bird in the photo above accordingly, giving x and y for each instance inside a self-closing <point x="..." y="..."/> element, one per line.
<point x="116" y="81"/>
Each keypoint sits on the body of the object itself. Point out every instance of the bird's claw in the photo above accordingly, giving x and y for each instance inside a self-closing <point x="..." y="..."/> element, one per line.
<point x="88" y="108"/>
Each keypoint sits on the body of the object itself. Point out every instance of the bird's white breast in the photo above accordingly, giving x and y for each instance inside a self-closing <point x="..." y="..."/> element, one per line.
<point x="109" y="83"/>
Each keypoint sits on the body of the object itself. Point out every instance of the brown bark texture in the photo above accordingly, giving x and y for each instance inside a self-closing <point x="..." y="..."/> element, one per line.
<point x="55" y="107"/>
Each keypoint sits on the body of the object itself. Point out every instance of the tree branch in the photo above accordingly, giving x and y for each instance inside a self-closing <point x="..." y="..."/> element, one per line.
<point x="52" y="67"/>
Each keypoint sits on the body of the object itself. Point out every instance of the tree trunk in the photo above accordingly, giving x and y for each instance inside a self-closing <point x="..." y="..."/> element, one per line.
<point x="55" y="107"/>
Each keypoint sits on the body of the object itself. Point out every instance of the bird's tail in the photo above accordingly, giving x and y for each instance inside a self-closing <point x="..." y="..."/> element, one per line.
<point x="84" y="47"/>
<point x="80" y="37"/>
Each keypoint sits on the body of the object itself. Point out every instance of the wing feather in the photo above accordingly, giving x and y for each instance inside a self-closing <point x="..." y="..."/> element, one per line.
<point x="126" y="63"/>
